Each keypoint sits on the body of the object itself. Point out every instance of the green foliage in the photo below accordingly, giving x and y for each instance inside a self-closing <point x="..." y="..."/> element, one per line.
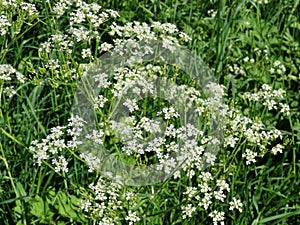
<point x="245" y="43"/>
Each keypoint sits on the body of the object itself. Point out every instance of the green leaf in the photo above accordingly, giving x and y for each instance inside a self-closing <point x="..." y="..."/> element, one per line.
<point x="68" y="207"/>
<point x="20" y="189"/>
<point x="279" y="217"/>
<point x="41" y="210"/>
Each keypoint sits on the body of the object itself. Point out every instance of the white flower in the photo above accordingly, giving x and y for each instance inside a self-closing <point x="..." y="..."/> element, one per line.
<point x="60" y="7"/>
<point x="212" y="13"/>
<point x="96" y="136"/>
<point x="28" y="7"/>
<point x="279" y="93"/>
<point x="210" y="158"/>
<point x="85" y="205"/>
<point x="269" y="97"/>
<point x="169" y="113"/>
<point x="80" y="34"/>
<point x="276" y="63"/>
<point x="250" y="156"/>
<point x="7" y="72"/>
<point x="56" y="132"/>
<point x="149" y="125"/>
<point x="184" y="37"/>
<point x="217" y="217"/>
<point x="223" y="185"/>
<point x="204" y="188"/>
<point x="99" y="101"/>
<point x="133" y="146"/>
<point x="131" y="104"/>
<point x="246" y="59"/>
<point x="10" y="91"/>
<point x="132" y="217"/>
<point x="230" y="141"/>
<point x="171" y="130"/>
<point x="60" y="164"/>
<point x="206" y="201"/>
<point x="271" y="104"/>
<point x="102" y="80"/>
<point x="86" y="53"/>
<point x="284" y="108"/>
<point x="177" y="174"/>
<point x="219" y="195"/>
<point x="52" y="64"/>
<point x="276" y="149"/>
<point x="187" y="210"/>
<point x="278" y="67"/>
<point x="91" y="160"/>
<point x="4" y="24"/>
<point x="190" y="192"/>
<point x="235" y="204"/>
<point x="39" y="155"/>
<point x="105" y="47"/>
<point x="206" y="176"/>
<point x="76" y="122"/>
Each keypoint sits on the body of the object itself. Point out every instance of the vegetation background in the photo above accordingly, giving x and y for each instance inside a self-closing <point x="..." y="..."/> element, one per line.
<point x="226" y="35"/>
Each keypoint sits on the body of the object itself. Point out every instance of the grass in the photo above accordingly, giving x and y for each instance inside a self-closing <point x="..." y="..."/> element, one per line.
<point x="268" y="188"/>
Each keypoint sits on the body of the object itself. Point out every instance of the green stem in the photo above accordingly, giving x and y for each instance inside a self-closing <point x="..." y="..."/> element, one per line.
<point x="3" y="158"/>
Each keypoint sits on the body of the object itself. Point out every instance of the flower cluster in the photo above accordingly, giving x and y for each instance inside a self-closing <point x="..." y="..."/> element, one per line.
<point x="53" y="146"/>
<point x="205" y="196"/>
<point x="261" y="1"/>
<point x="236" y="69"/>
<point x="60" y="7"/>
<point x="21" y="6"/>
<point x="106" y="201"/>
<point x="181" y="130"/>
<point x="10" y="91"/>
<point x="259" y="138"/>
<point x="212" y="13"/>
<point x="236" y="204"/>
<point x="244" y="66"/>
<point x="250" y="156"/>
<point x="57" y="41"/>
<point x="85" y="22"/>
<point x="10" y="74"/>
<point x="141" y="136"/>
<point x="99" y="101"/>
<point x="217" y="217"/>
<point x="143" y="32"/>
<point x="24" y="11"/>
<point x="269" y="98"/>
<point x="4" y="24"/>
<point x="278" y="68"/>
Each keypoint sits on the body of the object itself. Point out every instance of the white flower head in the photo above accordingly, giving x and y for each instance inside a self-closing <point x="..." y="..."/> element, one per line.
<point x="250" y="156"/>
<point x="131" y="104"/>
<point x="235" y="204"/>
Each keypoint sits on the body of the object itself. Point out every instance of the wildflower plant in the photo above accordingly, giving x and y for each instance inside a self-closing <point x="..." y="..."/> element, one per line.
<point x="127" y="125"/>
